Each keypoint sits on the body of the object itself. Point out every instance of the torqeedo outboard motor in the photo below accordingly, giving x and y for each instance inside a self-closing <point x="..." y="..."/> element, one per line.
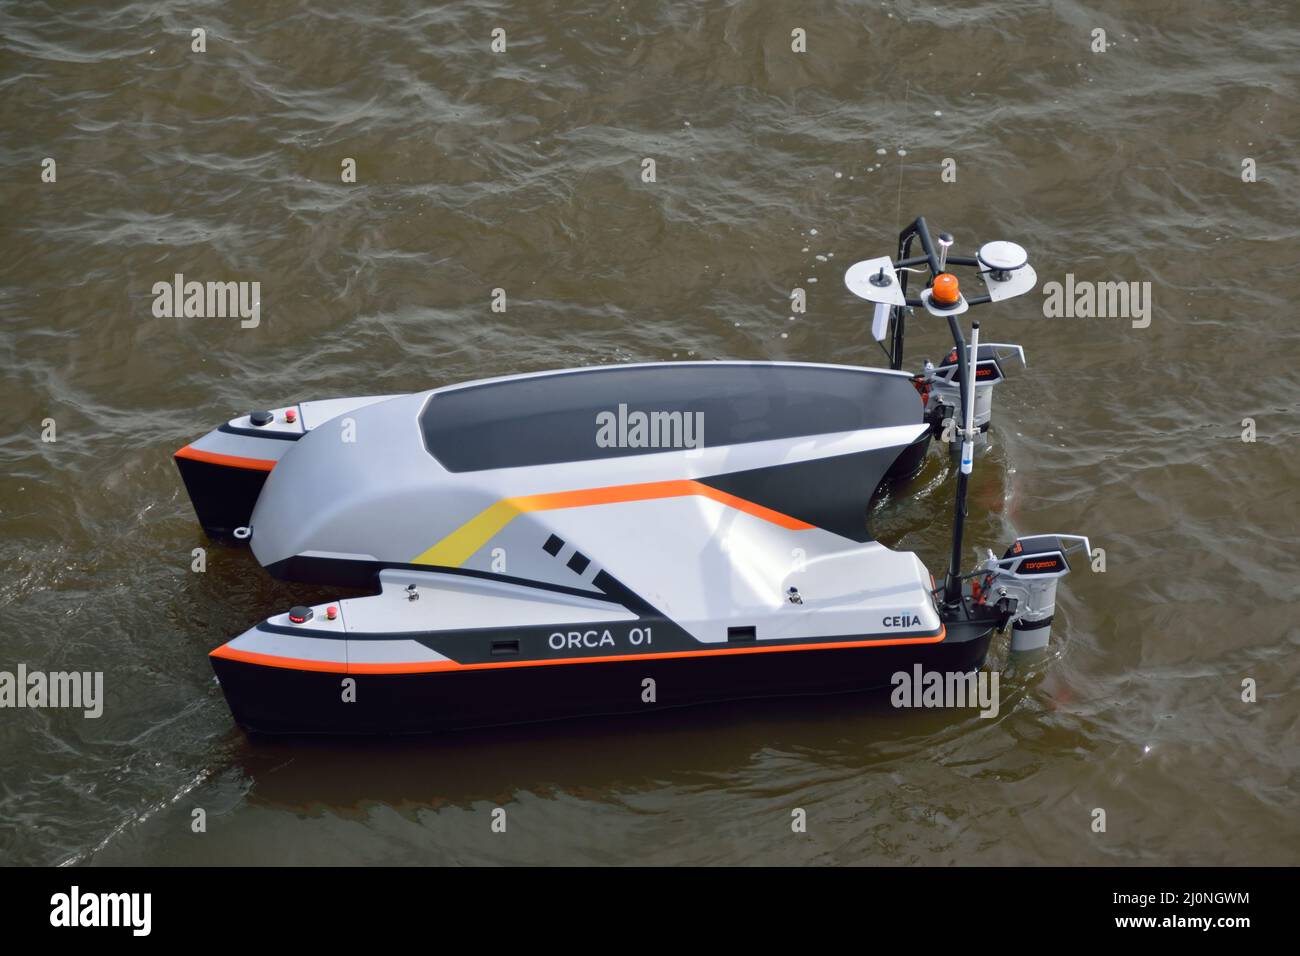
<point x="944" y="389"/>
<point x="1026" y="578"/>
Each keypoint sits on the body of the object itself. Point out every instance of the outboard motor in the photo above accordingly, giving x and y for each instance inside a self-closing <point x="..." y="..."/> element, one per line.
<point x="1025" y="579"/>
<point x="944" y="389"/>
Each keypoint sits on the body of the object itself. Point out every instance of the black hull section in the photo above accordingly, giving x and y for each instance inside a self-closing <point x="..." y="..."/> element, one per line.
<point x="273" y="700"/>
<point x="223" y="496"/>
<point x="910" y="461"/>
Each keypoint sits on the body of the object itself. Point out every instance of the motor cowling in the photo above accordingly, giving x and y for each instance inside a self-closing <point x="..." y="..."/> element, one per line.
<point x="1025" y="578"/>
<point x="945" y="390"/>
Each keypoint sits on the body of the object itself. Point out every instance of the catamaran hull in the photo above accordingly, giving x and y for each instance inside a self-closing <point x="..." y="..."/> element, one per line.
<point x="223" y="492"/>
<point x="280" y="700"/>
<point x="225" y="470"/>
<point x="531" y="538"/>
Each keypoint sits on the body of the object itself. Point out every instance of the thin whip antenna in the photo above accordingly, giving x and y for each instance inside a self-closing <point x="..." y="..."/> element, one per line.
<point x="898" y="208"/>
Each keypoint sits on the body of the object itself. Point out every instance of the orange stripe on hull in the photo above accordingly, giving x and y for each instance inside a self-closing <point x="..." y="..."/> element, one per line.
<point x="649" y="491"/>
<point x="228" y="461"/>
<point x="226" y="652"/>
<point x="429" y="667"/>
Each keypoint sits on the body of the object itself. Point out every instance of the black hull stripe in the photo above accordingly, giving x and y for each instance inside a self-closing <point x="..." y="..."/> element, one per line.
<point x="355" y="572"/>
<point x="230" y="429"/>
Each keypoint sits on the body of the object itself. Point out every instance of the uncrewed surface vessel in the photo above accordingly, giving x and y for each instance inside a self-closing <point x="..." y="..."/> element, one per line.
<point x="620" y="538"/>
